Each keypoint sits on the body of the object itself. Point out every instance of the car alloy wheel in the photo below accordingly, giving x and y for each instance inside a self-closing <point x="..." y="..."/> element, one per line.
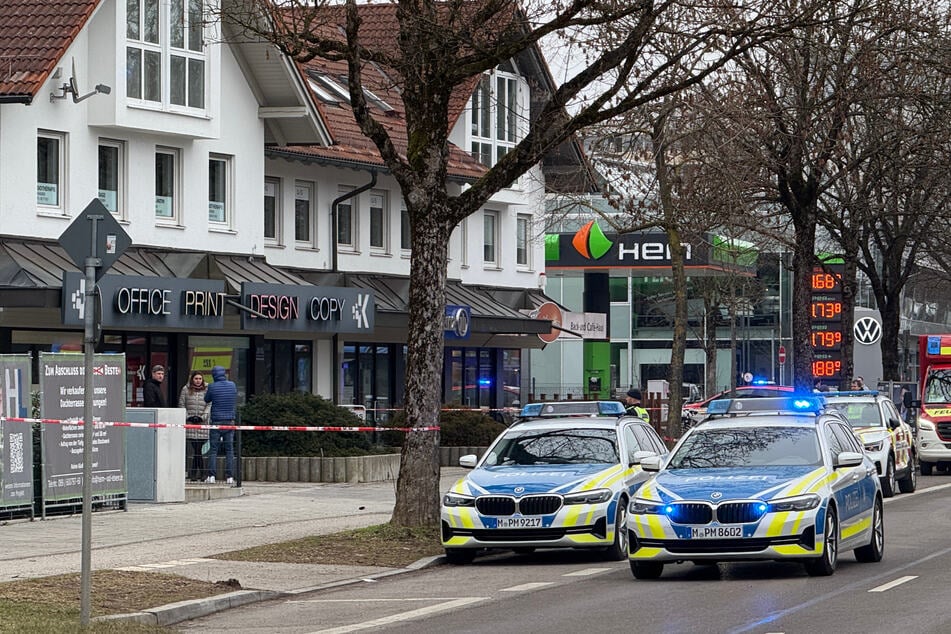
<point x="876" y="546"/>
<point x="824" y="565"/>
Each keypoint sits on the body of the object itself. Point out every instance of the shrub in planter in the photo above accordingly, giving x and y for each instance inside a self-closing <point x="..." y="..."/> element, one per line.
<point x="457" y="428"/>
<point x="298" y="409"/>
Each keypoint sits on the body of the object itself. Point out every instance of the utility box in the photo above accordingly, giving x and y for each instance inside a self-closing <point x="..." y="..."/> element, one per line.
<point x="659" y="390"/>
<point x="155" y="457"/>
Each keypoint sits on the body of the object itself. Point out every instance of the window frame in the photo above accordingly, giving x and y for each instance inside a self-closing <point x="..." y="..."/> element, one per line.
<point x="406" y="230"/>
<point x="311" y="187"/>
<point x="352" y="214"/>
<point x="120" y="211"/>
<point x="147" y="91"/>
<point x="382" y="219"/>
<point x="492" y="262"/>
<point x="523" y="241"/>
<point x="277" y="238"/>
<point x="228" y="190"/>
<point x="176" y="189"/>
<point x="496" y="128"/>
<point x="60" y="206"/>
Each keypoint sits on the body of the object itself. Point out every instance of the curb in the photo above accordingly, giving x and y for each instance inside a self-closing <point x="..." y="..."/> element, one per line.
<point x="173" y="613"/>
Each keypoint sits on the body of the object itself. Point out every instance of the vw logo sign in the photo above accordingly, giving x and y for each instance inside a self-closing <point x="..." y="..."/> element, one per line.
<point x="867" y="330"/>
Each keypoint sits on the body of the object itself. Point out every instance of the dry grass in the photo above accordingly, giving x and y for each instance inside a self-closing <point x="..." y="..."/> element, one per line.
<point x="51" y="604"/>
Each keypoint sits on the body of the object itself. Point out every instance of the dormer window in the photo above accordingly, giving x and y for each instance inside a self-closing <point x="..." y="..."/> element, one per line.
<point x="496" y="115"/>
<point x="165" y="54"/>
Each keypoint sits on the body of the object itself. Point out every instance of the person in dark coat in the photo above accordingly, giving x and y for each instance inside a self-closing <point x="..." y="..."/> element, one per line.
<point x="223" y="396"/>
<point x="153" y="394"/>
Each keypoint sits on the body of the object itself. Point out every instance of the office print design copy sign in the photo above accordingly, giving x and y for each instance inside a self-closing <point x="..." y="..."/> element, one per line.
<point x="62" y="387"/>
<point x="16" y="439"/>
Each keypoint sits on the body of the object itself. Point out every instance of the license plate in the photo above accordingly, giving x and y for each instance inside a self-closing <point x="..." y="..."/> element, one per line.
<point x="519" y="522"/>
<point x="716" y="532"/>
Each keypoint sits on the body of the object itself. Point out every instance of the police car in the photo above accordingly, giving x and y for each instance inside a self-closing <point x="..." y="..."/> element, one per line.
<point x="550" y="483"/>
<point x="888" y="440"/>
<point x="560" y="409"/>
<point x="760" y="479"/>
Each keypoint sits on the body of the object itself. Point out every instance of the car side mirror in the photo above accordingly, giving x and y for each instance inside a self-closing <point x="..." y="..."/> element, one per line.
<point x="894" y="423"/>
<point x="848" y="459"/>
<point x="651" y="463"/>
<point x="469" y="460"/>
<point x="640" y="455"/>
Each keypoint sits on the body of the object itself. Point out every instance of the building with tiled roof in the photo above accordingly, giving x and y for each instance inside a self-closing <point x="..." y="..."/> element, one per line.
<point x="242" y="179"/>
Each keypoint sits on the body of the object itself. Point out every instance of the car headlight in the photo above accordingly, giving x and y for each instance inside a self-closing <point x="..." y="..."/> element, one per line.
<point x="457" y="499"/>
<point x="925" y="424"/>
<point x="595" y="496"/>
<point x="795" y="503"/>
<point x="640" y="506"/>
<point x="872" y="447"/>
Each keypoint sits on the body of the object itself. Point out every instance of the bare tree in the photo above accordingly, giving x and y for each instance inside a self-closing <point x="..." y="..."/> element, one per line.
<point x="437" y="48"/>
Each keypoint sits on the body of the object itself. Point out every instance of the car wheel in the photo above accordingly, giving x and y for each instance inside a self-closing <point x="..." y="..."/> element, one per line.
<point x="876" y="546"/>
<point x="824" y="565"/>
<point x="889" y="483"/>
<point x="909" y="483"/>
<point x="647" y="569"/>
<point x="618" y="550"/>
<point x="460" y="556"/>
<point x="926" y="467"/>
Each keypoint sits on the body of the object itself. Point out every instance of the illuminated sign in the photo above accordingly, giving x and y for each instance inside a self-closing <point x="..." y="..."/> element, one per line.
<point x="825" y="317"/>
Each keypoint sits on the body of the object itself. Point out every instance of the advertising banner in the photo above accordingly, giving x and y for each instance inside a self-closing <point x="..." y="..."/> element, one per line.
<point x="16" y="438"/>
<point x="62" y="397"/>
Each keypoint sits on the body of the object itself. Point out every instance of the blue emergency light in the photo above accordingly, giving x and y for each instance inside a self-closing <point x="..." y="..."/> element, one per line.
<point x="804" y="404"/>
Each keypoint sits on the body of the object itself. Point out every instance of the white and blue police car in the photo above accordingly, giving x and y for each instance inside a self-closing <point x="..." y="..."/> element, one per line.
<point x="561" y="482"/>
<point x="760" y="479"/>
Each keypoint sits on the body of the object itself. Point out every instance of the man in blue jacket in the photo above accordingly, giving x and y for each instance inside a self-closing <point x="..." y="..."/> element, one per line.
<point x="223" y="396"/>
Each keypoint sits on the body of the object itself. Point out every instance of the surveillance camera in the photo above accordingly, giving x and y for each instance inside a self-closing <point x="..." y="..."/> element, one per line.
<point x="104" y="89"/>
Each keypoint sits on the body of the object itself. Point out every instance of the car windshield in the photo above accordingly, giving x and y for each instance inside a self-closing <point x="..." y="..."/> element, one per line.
<point x="860" y="414"/>
<point x="938" y="387"/>
<point x="747" y="447"/>
<point x="555" y="446"/>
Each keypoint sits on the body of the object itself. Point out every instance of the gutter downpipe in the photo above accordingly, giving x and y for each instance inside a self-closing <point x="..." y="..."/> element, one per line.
<point x="335" y="356"/>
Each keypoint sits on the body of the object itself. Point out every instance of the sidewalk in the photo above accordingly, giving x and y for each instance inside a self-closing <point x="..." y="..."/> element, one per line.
<point x="181" y="538"/>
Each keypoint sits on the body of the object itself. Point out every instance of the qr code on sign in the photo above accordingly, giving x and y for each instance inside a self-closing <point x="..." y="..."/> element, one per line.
<point x="16" y="453"/>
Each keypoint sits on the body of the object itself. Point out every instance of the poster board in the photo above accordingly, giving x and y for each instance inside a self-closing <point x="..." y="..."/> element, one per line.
<point x="16" y="438"/>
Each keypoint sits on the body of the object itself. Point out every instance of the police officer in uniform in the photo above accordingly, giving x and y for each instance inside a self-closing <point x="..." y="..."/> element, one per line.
<point x="634" y="408"/>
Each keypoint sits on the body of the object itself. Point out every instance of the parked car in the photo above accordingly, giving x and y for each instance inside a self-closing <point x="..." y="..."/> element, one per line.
<point x="693" y="413"/>
<point x="760" y="479"/>
<point x="550" y="483"/>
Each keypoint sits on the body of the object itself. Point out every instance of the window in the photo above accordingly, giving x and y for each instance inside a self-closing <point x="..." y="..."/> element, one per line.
<point x="272" y="210"/>
<point x="165" y="36"/>
<point x="523" y="252"/>
<point x="490" y="238"/>
<point x="166" y="183"/>
<point x="495" y="115"/>
<point x="112" y="176"/>
<point x="464" y="242"/>
<point x="219" y="184"/>
<point x="345" y="228"/>
<point x="406" y="229"/>
<point x="378" y="220"/>
<point x="50" y="169"/>
<point x="303" y="212"/>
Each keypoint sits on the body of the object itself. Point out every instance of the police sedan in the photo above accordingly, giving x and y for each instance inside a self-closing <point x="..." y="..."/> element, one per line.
<point x="761" y="479"/>
<point x="550" y="483"/>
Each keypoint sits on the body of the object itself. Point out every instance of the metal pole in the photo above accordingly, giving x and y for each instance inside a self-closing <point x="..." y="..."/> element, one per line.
<point x="89" y="344"/>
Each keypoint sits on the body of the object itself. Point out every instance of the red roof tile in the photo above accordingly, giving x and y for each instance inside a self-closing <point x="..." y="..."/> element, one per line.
<point x="34" y="35"/>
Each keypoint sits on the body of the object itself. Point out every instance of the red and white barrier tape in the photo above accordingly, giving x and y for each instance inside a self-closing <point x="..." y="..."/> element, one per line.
<point x="79" y="422"/>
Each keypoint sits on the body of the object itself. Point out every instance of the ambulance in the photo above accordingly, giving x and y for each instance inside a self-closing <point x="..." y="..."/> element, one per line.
<point x="934" y="417"/>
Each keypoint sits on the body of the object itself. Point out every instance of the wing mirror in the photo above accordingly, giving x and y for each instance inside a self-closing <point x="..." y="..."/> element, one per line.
<point x="640" y="455"/>
<point x="469" y="460"/>
<point x="848" y="459"/>
<point x="651" y="463"/>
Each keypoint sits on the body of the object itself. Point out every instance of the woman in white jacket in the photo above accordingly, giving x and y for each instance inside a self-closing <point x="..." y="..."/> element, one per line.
<point x="192" y="398"/>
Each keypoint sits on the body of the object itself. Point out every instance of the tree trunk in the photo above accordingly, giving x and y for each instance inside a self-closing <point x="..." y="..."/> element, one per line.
<point x="711" y="313"/>
<point x="417" y="489"/>
<point x="803" y="260"/>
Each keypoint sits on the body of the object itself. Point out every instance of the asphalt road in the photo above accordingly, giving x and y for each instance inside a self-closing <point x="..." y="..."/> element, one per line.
<point x="570" y="591"/>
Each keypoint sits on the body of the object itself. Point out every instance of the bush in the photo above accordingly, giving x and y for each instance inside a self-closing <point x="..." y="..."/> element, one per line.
<point x="457" y="428"/>
<point x="298" y="409"/>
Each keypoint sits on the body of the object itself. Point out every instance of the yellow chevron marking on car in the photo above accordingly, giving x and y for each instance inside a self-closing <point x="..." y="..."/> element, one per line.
<point x="585" y="539"/>
<point x="827" y="480"/>
<point x="858" y="527"/>
<point x="460" y="487"/>
<point x="808" y="481"/>
<point x="461" y="517"/>
<point x="776" y="525"/>
<point x="605" y="479"/>
<point x="614" y="479"/>
<point x="648" y="524"/>
<point x="645" y="553"/>
<point x="794" y="549"/>
<point x="456" y="541"/>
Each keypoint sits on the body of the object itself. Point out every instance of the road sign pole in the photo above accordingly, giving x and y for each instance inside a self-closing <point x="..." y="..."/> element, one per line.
<point x="89" y="344"/>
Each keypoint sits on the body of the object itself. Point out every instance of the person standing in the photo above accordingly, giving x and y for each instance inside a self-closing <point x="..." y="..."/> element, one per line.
<point x="634" y="408"/>
<point x="223" y="396"/>
<point x="192" y="399"/>
<point x="153" y="394"/>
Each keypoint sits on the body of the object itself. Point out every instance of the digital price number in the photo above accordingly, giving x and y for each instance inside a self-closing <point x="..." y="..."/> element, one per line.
<point x="825" y="315"/>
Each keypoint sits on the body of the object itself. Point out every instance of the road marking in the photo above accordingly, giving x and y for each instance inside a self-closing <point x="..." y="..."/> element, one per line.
<point x="404" y="616"/>
<point x="528" y="586"/>
<point x="586" y="572"/>
<point x="164" y="564"/>
<point x="891" y="584"/>
<point x="905" y="496"/>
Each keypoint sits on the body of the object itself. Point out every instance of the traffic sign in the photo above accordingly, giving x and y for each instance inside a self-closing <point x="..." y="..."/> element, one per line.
<point x="111" y="240"/>
<point x="782" y="355"/>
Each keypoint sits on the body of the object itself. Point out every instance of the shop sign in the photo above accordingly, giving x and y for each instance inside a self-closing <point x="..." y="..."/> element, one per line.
<point x="134" y="301"/>
<point x="290" y="307"/>
<point x="457" y="321"/>
<point x="16" y="439"/>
